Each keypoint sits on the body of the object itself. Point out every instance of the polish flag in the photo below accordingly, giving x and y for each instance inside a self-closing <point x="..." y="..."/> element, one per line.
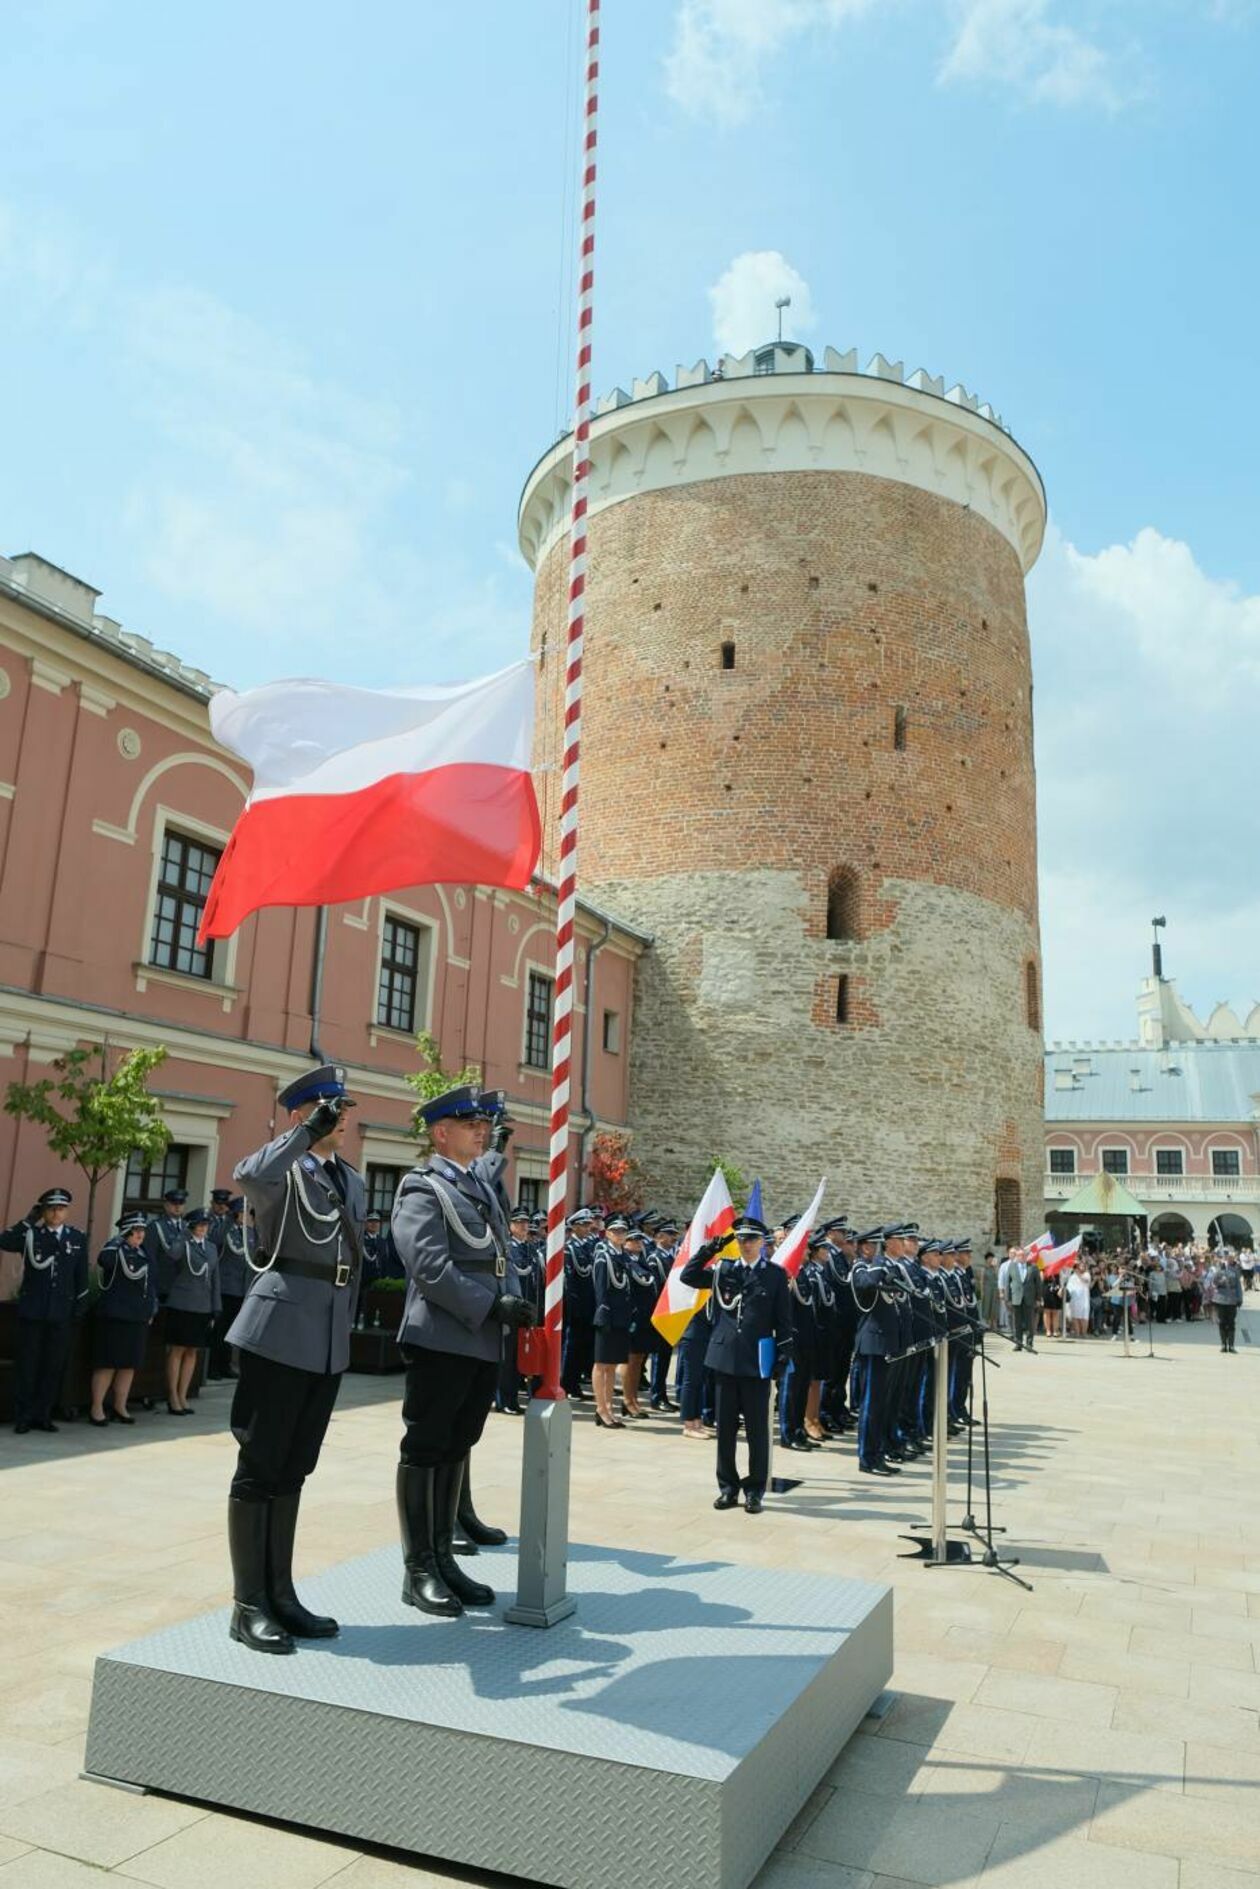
<point x="1060" y="1256"/>
<point x="364" y="790"/>
<point x="678" y="1303"/>
<point x="791" y="1254"/>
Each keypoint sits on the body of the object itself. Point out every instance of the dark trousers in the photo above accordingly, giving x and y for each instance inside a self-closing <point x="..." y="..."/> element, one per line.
<point x="446" y="1401"/>
<point x="577" y="1353"/>
<point x="279" y="1419"/>
<point x="693" y="1384"/>
<point x="960" y="1363"/>
<point x="220" y="1360"/>
<point x="42" y="1345"/>
<point x="872" y="1411"/>
<point x="1023" y="1323"/>
<point x="749" y="1398"/>
<point x="793" y="1391"/>
<point x="661" y="1356"/>
<point x="1227" y="1319"/>
<point x="834" y="1401"/>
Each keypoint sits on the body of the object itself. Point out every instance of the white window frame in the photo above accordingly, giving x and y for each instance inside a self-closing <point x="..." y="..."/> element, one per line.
<point x="221" y="981"/>
<point x="532" y="968"/>
<point x="426" y="972"/>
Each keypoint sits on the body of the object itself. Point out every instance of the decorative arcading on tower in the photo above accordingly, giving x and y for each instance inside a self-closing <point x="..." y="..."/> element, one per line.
<point x="808" y="773"/>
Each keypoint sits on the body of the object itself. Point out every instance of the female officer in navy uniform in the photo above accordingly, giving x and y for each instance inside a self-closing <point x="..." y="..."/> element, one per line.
<point x="750" y="1302"/>
<point x="126" y="1308"/>
<point x="613" y="1292"/>
<point x="192" y="1303"/>
<point x="52" y="1294"/>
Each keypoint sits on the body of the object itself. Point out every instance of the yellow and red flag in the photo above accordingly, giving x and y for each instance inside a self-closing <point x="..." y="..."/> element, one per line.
<point x="678" y="1304"/>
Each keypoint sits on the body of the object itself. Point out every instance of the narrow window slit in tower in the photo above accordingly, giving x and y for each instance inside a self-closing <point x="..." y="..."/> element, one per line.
<point x="842" y="999"/>
<point x="899" y="730"/>
<point x="728" y="655"/>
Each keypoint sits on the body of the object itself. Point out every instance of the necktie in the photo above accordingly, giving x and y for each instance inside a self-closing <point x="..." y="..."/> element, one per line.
<point x="334" y="1176"/>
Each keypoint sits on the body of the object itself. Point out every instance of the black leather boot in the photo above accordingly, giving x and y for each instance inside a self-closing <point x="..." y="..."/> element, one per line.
<point x="448" y="1480"/>
<point x="471" y="1532"/>
<point x="253" y="1623"/>
<point x="282" y="1514"/>
<point x="423" y="1585"/>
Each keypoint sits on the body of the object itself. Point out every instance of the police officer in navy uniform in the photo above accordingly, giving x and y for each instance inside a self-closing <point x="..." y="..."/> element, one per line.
<point x="463" y="1295"/>
<point x="164" y="1238"/>
<point x="507" y="1396"/>
<point x="293" y="1337"/>
<point x="53" y="1292"/>
<point x="878" y="1339"/>
<point x="219" y="1362"/>
<point x="125" y="1308"/>
<point x="577" y="1348"/>
<point x="750" y="1301"/>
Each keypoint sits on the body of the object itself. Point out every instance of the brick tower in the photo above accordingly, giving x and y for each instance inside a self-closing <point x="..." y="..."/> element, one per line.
<point x="807" y="771"/>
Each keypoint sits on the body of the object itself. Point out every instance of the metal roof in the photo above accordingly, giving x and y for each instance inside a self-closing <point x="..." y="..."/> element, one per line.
<point x="1126" y="1082"/>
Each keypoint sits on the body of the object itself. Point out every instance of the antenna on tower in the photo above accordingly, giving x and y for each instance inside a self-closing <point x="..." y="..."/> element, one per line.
<point x="784" y="301"/>
<point x="1157" y="956"/>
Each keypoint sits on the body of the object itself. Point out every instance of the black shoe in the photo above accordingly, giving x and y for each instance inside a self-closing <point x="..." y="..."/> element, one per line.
<point x="253" y="1624"/>
<point x="752" y="1504"/>
<point x="423" y="1585"/>
<point x="282" y="1514"/>
<point x="118" y="1416"/>
<point x="21" y="1429"/>
<point x="877" y="1469"/>
<point x="471" y="1532"/>
<point x="47" y="1426"/>
<point x="448" y="1483"/>
<point x="729" y="1499"/>
<point x="99" y="1423"/>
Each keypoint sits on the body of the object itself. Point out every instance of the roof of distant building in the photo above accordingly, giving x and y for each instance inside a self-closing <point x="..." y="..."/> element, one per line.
<point x="1128" y="1082"/>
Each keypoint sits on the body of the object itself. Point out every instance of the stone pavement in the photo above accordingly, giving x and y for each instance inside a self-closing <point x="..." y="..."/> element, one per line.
<point x="1104" y="1729"/>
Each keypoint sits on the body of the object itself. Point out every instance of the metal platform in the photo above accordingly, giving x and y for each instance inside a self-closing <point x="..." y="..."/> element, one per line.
<point x="674" y="1724"/>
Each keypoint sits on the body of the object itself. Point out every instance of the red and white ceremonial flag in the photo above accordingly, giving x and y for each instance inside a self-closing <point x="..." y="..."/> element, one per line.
<point x="1060" y="1256"/>
<point x="1039" y="1248"/>
<point x="364" y="790"/>
<point x="678" y="1303"/>
<point x="791" y="1255"/>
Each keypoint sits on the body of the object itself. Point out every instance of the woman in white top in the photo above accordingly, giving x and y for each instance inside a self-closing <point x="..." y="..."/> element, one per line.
<point x="1077" y="1306"/>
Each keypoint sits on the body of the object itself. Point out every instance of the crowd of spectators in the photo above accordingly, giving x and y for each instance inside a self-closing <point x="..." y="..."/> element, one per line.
<point x="1167" y="1283"/>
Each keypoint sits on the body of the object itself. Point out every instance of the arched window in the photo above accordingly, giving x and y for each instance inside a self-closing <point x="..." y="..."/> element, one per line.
<point x="1008" y="1213"/>
<point x="1032" y="995"/>
<point x="842" y="904"/>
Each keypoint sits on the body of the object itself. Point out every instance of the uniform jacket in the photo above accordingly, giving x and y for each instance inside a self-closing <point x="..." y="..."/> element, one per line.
<point x="217" y="1231"/>
<point x="452" y="1238"/>
<point x="579" y="1280"/>
<point x="749" y="1303"/>
<point x="618" y="1281"/>
<point x="165" y="1238"/>
<point x="299" y="1215"/>
<point x="194" y="1284"/>
<point x="234" y="1268"/>
<point x="132" y="1300"/>
<point x="54" y="1283"/>
<point x="879" y="1323"/>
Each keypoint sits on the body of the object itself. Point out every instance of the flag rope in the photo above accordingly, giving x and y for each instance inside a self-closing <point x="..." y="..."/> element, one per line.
<point x="566" y="898"/>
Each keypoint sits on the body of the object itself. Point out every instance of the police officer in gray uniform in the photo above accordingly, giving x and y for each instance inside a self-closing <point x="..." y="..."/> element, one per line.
<point x="462" y="1294"/>
<point x="293" y="1336"/>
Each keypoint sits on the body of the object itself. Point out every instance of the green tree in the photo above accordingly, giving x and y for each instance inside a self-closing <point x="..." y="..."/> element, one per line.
<point x="432" y="1079"/>
<point x="734" y="1178"/>
<point x="91" y="1117"/>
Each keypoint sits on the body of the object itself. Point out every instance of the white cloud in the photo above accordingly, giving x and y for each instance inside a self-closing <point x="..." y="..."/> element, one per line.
<point x="743" y="301"/>
<point x="1017" y="43"/>
<point x="722" y="49"/>
<point x="1147" y="694"/>
<point x="714" y="67"/>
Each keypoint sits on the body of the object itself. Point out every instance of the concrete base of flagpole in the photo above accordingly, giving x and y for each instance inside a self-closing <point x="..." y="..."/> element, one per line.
<point x="542" y="1596"/>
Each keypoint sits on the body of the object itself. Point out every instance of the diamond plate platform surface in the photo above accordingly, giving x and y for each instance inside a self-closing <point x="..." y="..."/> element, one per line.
<point x="677" y="1720"/>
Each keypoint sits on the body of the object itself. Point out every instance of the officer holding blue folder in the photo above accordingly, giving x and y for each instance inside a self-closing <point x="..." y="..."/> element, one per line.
<point x="751" y="1315"/>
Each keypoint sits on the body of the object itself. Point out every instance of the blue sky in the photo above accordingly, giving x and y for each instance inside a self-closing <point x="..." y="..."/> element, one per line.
<point x="284" y="318"/>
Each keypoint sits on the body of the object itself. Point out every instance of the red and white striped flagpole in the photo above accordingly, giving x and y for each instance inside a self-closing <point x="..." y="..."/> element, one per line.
<point x="566" y="905"/>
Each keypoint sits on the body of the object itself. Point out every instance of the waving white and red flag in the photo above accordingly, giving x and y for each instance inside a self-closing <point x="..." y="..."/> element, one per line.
<point x="359" y="791"/>
<point x="791" y="1255"/>
<point x="1059" y="1257"/>
<point x="1039" y="1247"/>
<point x="678" y="1304"/>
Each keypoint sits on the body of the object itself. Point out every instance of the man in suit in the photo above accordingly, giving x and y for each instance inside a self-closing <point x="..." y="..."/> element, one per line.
<point x="750" y="1301"/>
<point x="53" y="1292"/>
<point x="463" y="1293"/>
<point x="293" y="1337"/>
<point x="1020" y="1289"/>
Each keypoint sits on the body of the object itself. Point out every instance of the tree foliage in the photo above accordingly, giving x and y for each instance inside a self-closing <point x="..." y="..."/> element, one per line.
<point x="93" y="1118"/>
<point x="617" y="1180"/>
<point x="733" y="1176"/>
<point x="431" y="1079"/>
